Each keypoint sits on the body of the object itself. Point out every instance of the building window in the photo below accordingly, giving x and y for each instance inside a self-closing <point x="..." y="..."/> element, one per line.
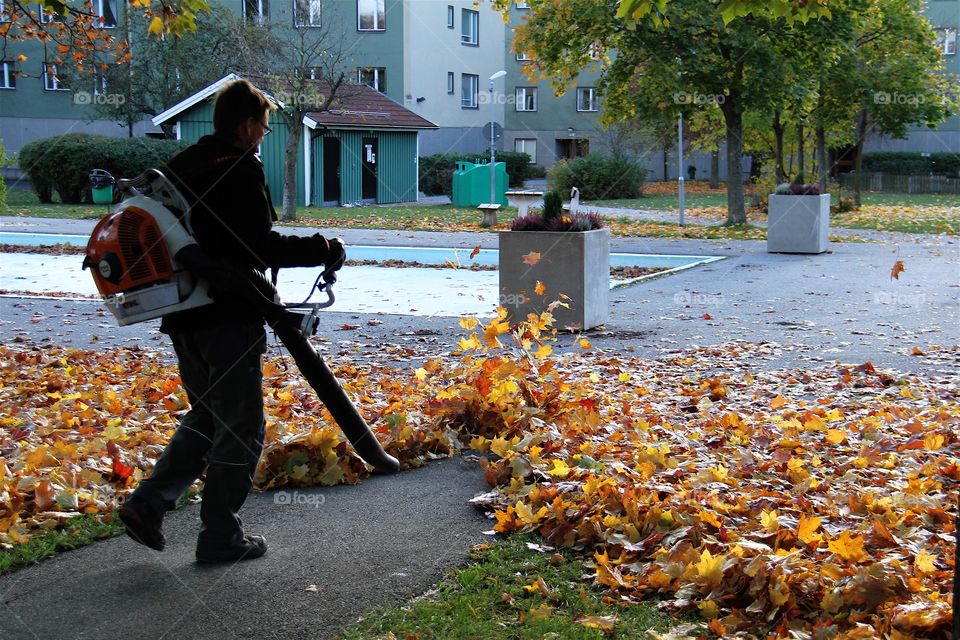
<point x="51" y="81"/>
<point x="522" y="5"/>
<point x="450" y="82"/>
<point x="586" y="99"/>
<point x="4" y="17"/>
<point x="527" y="146"/>
<point x="256" y="10"/>
<point x="470" y="88"/>
<point x="306" y="13"/>
<point x="523" y="57"/>
<point x="8" y="75"/>
<point x="48" y="16"/>
<point x="106" y="11"/>
<point x="99" y="83"/>
<point x="371" y="15"/>
<point x="450" y="13"/>
<point x="947" y="41"/>
<point x="470" y="27"/>
<point x="375" y="77"/>
<point x="526" y="98"/>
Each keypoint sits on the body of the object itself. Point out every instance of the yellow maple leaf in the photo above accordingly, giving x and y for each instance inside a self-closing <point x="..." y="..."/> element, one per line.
<point x="710" y="568"/>
<point x="540" y="289"/>
<point x="709" y="609"/>
<point x="468" y="323"/>
<point x="543" y="351"/>
<point x="710" y="518"/>
<point x="924" y="562"/>
<point x="848" y="547"/>
<point x="933" y="441"/>
<point x="807" y="530"/>
<point x="466" y="344"/>
<point x="835" y="436"/>
<point x="532" y="258"/>
<point x="156" y="26"/>
<point x="560" y="469"/>
<point x="421" y="374"/>
<point x="502" y="446"/>
<point x="603" y="623"/>
<point x="770" y="520"/>
<point x="778" y="402"/>
<point x="624" y="377"/>
<point x="584" y="343"/>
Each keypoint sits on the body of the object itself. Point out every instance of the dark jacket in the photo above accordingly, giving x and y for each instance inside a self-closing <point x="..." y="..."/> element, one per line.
<point x="232" y="216"/>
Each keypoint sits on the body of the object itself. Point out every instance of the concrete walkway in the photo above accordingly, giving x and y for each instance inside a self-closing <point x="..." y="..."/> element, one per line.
<point x="391" y="537"/>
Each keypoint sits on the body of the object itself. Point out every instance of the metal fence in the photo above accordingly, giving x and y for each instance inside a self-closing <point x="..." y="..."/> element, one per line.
<point x="902" y="183"/>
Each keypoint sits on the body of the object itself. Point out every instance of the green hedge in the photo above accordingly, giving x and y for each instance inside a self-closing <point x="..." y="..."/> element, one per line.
<point x="911" y="163"/>
<point x="63" y="163"/>
<point x="436" y="171"/>
<point x="599" y="177"/>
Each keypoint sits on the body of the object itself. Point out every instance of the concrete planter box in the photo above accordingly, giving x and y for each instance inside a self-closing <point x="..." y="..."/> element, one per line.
<point x="798" y="224"/>
<point x="574" y="263"/>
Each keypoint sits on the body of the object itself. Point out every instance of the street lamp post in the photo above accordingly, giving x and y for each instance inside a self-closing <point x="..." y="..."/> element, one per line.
<point x="493" y="149"/>
<point x="680" y="172"/>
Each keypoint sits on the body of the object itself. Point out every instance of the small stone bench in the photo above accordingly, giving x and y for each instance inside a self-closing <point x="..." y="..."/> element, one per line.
<point x="489" y="214"/>
<point x="522" y="200"/>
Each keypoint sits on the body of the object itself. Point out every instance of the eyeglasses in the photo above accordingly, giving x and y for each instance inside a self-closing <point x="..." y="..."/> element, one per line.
<point x="266" y="129"/>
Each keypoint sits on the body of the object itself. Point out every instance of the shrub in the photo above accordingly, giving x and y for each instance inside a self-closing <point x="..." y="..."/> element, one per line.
<point x="552" y="205"/>
<point x="436" y="171"/>
<point x="576" y="222"/>
<point x="599" y="177"/>
<point x="945" y="163"/>
<point x="900" y="162"/>
<point x="63" y="163"/>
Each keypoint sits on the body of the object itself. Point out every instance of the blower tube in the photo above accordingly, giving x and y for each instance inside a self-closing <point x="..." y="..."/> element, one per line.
<point x="255" y="288"/>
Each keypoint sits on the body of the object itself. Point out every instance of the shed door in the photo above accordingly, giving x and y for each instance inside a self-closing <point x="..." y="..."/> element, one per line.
<point x="331" y="170"/>
<point x="369" y="184"/>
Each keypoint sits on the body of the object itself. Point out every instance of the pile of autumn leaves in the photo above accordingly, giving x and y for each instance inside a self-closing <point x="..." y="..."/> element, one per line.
<point x="800" y="502"/>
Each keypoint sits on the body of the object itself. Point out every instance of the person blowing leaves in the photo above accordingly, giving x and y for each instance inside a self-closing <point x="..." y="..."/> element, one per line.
<point x="219" y="346"/>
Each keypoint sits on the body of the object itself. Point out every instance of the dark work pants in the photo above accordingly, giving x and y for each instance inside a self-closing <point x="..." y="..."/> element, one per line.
<point x="223" y="432"/>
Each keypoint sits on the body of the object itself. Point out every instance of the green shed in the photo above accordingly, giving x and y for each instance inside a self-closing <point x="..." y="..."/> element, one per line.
<point x="364" y="149"/>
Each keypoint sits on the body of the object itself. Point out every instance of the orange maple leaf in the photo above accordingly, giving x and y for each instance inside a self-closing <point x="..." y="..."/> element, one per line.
<point x="539" y="289"/>
<point x="898" y="268"/>
<point x="532" y="258"/>
<point x="848" y="547"/>
<point x="476" y="250"/>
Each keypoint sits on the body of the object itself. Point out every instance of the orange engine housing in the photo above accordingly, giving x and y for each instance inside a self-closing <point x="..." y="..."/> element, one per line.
<point x="126" y="252"/>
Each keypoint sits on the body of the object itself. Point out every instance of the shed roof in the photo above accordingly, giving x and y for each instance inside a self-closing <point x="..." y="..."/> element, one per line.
<point x="356" y="106"/>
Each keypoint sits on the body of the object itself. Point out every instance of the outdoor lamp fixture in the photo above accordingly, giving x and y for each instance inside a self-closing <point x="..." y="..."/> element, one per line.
<point x="493" y="149"/>
<point x="571" y="132"/>
<point x="421" y="99"/>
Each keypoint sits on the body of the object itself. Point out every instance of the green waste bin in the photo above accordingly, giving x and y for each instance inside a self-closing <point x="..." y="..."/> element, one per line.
<point x="471" y="184"/>
<point x="101" y="186"/>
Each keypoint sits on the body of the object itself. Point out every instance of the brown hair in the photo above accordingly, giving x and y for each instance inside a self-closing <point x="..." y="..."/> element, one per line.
<point x="235" y="102"/>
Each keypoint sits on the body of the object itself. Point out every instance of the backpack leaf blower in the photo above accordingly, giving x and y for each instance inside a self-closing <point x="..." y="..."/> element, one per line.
<point x="147" y="264"/>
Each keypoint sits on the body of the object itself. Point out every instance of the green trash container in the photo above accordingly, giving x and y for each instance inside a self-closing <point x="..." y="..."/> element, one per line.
<point x="471" y="184"/>
<point x="101" y="186"/>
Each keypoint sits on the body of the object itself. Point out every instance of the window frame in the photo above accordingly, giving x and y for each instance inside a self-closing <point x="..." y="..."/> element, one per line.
<point x="521" y="5"/>
<point x="475" y="90"/>
<point x="8" y="75"/>
<point x="471" y="17"/>
<point x="451" y="17"/>
<point x="3" y="12"/>
<point x="593" y="99"/>
<point x="379" y="78"/>
<point x="98" y="11"/>
<point x="533" y="156"/>
<point x="948" y="44"/>
<point x="527" y="91"/>
<point x="309" y="23"/>
<point x="48" y="17"/>
<point x="377" y="27"/>
<point x="263" y="10"/>
<point x="56" y="85"/>
<point x="451" y="83"/>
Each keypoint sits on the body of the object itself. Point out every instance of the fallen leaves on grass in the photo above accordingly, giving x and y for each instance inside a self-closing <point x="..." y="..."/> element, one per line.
<point x="770" y="502"/>
<point x="910" y="219"/>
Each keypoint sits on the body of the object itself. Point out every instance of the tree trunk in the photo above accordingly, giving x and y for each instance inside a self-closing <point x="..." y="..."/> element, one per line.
<point x="778" y="148"/>
<point x="800" y="167"/>
<point x="734" y="121"/>
<point x="290" y="167"/>
<point x="666" y="170"/>
<point x="822" y="168"/>
<point x="858" y="161"/>
<point x="715" y="169"/>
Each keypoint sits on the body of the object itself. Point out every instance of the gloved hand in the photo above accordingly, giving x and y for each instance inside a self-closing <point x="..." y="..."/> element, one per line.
<point x="337" y="255"/>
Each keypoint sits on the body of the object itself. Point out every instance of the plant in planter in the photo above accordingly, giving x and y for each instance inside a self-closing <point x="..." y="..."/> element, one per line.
<point x="798" y="219"/>
<point x="568" y="255"/>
